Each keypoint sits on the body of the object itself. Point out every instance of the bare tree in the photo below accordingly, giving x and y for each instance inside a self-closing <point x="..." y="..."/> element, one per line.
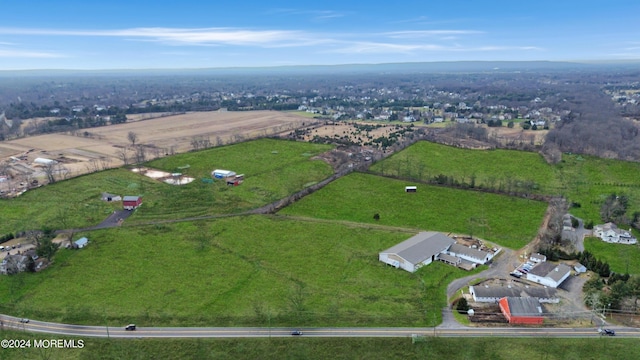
<point x="105" y="162"/>
<point x="141" y="154"/>
<point x="123" y="154"/>
<point x="133" y="138"/>
<point x="49" y="170"/>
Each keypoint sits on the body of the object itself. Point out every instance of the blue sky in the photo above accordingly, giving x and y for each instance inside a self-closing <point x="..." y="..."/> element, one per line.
<point x="116" y="34"/>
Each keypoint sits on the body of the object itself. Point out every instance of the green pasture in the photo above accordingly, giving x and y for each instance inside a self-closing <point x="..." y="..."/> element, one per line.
<point x="247" y="270"/>
<point x="487" y="168"/>
<point x="273" y="169"/>
<point x="336" y="348"/>
<point x="582" y="179"/>
<point x="508" y="221"/>
<point x="622" y="258"/>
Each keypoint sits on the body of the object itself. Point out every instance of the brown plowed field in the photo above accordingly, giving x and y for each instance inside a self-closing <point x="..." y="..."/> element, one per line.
<point x="168" y="134"/>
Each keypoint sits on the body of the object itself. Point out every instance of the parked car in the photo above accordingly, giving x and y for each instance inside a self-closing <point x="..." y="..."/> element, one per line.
<point x="296" y="333"/>
<point x="24" y="320"/>
<point x="130" y="327"/>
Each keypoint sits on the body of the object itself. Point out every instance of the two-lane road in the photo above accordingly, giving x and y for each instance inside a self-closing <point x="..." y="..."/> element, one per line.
<point x="248" y="332"/>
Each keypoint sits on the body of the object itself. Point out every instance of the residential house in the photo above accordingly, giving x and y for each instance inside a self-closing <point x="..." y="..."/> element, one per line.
<point x="610" y="233"/>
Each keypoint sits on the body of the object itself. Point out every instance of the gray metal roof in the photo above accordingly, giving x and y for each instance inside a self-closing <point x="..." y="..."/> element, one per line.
<point x="542" y="269"/>
<point x="527" y="306"/>
<point x="449" y="258"/>
<point x="473" y="253"/>
<point x="559" y="272"/>
<point x="550" y="270"/>
<point x="513" y="291"/>
<point x="421" y="246"/>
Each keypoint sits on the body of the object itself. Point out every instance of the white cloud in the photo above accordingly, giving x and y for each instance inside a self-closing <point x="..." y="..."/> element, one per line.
<point x="412" y="34"/>
<point x="4" y="53"/>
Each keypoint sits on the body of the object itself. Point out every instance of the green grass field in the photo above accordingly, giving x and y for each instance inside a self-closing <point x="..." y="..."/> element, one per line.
<point x="247" y="270"/>
<point x="273" y="169"/>
<point x="583" y="179"/>
<point x="508" y="221"/>
<point x="333" y="348"/>
<point x="622" y="258"/>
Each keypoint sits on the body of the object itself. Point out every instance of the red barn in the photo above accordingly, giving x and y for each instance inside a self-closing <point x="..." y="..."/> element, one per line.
<point x="131" y="202"/>
<point x="521" y="310"/>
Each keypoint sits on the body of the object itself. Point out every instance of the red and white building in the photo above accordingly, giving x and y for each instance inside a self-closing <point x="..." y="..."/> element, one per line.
<point x="131" y="202"/>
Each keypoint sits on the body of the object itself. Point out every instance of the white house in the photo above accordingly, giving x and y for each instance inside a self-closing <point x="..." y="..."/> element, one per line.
<point x="537" y="258"/>
<point x="549" y="274"/>
<point x="417" y="251"/>
<point x="610" y="233"/>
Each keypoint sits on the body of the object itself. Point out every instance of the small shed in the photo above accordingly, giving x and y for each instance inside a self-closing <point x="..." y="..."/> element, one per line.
<point x="131" y="202"/>
<point x="80" y="243"/>
<point x="110" y="197"/>
<point x="410" y="189"/>
<point x="579" y="268"/>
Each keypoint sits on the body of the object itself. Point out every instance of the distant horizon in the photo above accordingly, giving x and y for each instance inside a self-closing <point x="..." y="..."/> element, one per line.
<point x="144" y="34"/>
<point x="363" y="65"/>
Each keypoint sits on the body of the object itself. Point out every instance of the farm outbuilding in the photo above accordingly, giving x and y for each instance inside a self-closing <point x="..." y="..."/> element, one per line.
<point x="519" y="310"/>
<point x="80" y="243"/>
<point x="131" y="202"/>
<point x="410" y="189"/>
<point x="549" y="274"/>
<point x="417" y="251"/>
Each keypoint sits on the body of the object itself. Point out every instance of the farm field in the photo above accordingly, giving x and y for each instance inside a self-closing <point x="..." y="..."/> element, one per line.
<point x="582" y="179"/>
<point x="622" y="258"/>
<point x="247" y="270"/>
<point x="169" y="134"/>
<point x="508" y="221"/>
<point x="333" y="348"/>
<point x="270" y="176"/>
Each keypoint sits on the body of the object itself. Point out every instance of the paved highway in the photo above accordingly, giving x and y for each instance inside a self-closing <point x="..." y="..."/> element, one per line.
<point x="33" y="326"/>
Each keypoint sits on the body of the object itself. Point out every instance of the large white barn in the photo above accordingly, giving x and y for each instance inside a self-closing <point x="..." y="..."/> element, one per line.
<point x="417" y="251"/>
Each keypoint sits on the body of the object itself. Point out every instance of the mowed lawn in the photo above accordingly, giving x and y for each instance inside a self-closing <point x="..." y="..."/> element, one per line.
<point x="508" y="221"/>
<point x="621" y="258"/>
<point x="247" y="270"/>
<point x="273" y="170"/>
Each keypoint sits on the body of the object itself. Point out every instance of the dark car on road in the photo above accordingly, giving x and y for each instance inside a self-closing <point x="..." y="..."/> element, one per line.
<point x="608" y="332"/>
<point x="296" y="333"/>
<point x="130" y="327"/>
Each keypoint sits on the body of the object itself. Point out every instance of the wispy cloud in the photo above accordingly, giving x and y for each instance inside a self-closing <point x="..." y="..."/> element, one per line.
<point x="381" y="48"/>
<point x="413" y="34"/>
<point x="4" y="53"/>
<point x="177" y="36"/>
<point x="318" y="15"/>
<point x="400" y="42"/>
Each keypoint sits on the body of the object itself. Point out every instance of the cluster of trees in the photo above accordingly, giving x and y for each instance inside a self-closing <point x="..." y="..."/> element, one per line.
<point x="6" y="237"/>
<point x="614" y="209"/>
<point x="618" y="291"/>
